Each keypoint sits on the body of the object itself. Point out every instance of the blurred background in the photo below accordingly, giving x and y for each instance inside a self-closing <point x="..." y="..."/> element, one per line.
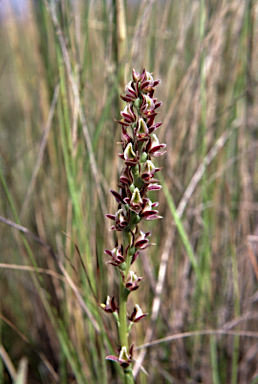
<point x="63" y="65"/>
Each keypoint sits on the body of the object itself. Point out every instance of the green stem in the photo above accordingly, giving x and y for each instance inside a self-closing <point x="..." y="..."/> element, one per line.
<point x="123" y="330"/>
<point x="128" y="375"/>
<point x="122" y="315"/>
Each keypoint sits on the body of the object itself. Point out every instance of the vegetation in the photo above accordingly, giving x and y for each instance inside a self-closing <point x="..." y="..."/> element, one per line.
<point x="63" y="65"/>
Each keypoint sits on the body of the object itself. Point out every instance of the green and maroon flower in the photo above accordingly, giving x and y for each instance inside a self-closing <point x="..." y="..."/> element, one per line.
<point x="110" y="306"/>
<point x="137" y="314"/>
<point x="124" y="358"/>
<point x="132" y="282"/>
<point x="117" y="256"/>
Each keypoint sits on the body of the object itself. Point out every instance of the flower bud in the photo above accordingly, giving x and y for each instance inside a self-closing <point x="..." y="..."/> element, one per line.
<point x="136" y="75"/>
<point x="132" y="188"/>
<point x="137" y="103"/>
<point x="137" y="219"/>
<point x="143" y="157"/>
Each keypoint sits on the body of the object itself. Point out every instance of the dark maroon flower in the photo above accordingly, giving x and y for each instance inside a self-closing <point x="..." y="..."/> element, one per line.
<point x="137" y="314"/>
<point x="135" y="202"/>
<point x="129" y="155"/>
<point x="153" y="127"/>
<point x="142" y="130"/>
<point x="117" y="196"/>
<point x="126" y="177"/>
<point x="133" y="282"/>
<point x="154" y="187"/>
<point x="146" y="82"/>
<point x="147" y="108"/>
<point x="148" y="213"/>
<point x="136" y="75"/>
<point x="110" y="306"/>
<point x="124" y="358"/>
<point x="154" y="146"/>
<point x="126" y="139"/>
<point x="128" y="115"/>
<point x="131" y="92"/>
<point x="117" y="256"/>
<point x="120" y="220"/>
<point x="148" y="171"/>
<point x="157" y="103"/>
<point x="141" y="242"/>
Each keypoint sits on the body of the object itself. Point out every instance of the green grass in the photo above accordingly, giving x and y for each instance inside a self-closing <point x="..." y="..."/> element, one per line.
<point x="61" y="77"/>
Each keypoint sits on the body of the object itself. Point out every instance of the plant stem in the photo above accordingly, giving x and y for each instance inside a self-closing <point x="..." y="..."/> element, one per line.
<point x="123" y="335"/>
<point x="123" y="295"/>
<point x="122" y="315"/>
<point x="128" y="375"/>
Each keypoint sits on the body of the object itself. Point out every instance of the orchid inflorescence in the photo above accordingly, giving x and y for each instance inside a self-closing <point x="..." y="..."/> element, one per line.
<point x="139" y="144"/>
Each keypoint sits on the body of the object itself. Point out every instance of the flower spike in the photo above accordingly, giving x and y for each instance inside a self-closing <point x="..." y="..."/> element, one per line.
<point x="140" y="146"/>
